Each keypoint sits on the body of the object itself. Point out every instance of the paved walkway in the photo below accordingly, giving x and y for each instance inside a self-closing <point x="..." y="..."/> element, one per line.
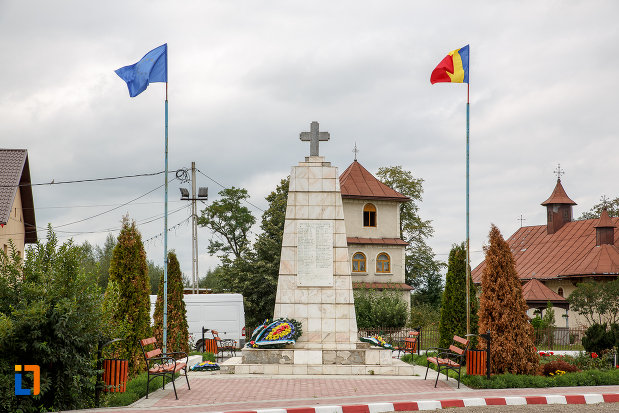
<point x="232" y="393"/>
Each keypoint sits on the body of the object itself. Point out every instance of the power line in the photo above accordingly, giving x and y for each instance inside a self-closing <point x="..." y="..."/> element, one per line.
<point x="246" y="201"/>
<point x="84" y="180"/>
<point x="97" y="205"/>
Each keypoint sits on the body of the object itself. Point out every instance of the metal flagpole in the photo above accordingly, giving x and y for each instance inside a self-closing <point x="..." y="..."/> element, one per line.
<point x="468" y="256"/>
<point x="165" y="226"/>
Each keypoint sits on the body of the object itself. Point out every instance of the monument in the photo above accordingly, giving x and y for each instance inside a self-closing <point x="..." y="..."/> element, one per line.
<point x="315" y="285"/>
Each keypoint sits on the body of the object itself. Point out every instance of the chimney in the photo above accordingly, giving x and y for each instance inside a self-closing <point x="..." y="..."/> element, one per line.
<point x="558" y="208"/>
<point x="604" y="230"/>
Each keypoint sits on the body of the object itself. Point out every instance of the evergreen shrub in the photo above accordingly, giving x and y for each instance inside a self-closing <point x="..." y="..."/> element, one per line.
<point x="598" y="338"/>
<point x="380" y="309"/>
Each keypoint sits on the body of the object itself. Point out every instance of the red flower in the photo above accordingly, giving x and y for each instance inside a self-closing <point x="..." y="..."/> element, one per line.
<point x="594" y="355"/>
<point x="551" y="353"/>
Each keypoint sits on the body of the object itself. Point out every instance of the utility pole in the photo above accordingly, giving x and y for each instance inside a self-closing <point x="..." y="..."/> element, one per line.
<point x="202" y="196"/>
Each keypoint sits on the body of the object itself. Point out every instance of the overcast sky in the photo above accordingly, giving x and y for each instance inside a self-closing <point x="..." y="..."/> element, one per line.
<point x="245" y="77"/>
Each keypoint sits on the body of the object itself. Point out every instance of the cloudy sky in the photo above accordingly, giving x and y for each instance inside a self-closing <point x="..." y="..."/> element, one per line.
<point x="245" y="77"/>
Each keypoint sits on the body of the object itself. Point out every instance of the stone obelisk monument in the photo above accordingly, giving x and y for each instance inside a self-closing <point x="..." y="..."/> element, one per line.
<point x="315" y="285"/>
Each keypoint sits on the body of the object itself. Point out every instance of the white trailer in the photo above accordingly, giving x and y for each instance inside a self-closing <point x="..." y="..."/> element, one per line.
<point x="221" y="312"/>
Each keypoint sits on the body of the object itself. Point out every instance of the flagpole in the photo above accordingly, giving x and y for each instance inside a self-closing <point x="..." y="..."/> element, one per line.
<point x="468" y="256"/>
<point x="165" y="226"/>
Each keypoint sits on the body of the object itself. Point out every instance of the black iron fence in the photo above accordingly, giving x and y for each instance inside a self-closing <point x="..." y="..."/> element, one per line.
<point x="552" y="338"/>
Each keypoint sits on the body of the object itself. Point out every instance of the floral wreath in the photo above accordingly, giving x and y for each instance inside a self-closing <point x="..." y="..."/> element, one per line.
<point x="275" y="334"/>
<point x="377" y="340"/>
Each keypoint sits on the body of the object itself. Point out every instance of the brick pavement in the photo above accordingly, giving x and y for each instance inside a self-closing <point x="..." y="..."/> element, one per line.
<point x="227" y="393"/>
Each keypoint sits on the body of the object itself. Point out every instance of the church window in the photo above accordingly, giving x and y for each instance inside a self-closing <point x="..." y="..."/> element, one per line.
<point x="358" y="262"/>
<point x="369" y="215"/>
<point x="383" y="263"/>
<point x="566" y="215"/>
<point x="560" y="291"/>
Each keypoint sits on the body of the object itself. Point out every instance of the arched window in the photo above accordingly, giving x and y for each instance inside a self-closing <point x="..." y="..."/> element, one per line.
<point x="560" y="291"/>
<point x="369" y="215"/>
<point x="358" y="262"/>
<point x="383" y="263"/>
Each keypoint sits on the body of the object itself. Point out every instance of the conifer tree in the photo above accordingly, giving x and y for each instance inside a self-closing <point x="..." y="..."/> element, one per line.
<point x="177" y="337"/>
<point x="453" y="307"/>
<point x="502" y="311"/>
<point x="126" y="297"/>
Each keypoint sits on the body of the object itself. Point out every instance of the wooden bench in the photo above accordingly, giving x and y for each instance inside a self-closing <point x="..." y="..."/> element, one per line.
<point x="227" y="344"/>
<point x="448" y="359"/>
<point x="410" y="344"/>
<point x="159" y="364"/>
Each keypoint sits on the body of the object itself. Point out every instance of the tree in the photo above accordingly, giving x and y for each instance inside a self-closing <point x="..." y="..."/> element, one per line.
<point x="127" y="294"/>
<point x="503" y="311"/>
<point x="231" y="222"/>
<point x="177" y="327"/>
<point x="104" y="256"/>
<point x="453" y="308"/>
<point x="597" y="301"/>
<point x="50" y="313"/>
<point x="612" y="207"/>
<point x="155" y="273"/>
<point x="422" y="269"/>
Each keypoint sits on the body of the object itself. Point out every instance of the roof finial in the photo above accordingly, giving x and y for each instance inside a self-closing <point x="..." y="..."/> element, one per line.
<point x="559" y="172"/>
<point x="521" y="219"/>
<point x="355" y="151"/>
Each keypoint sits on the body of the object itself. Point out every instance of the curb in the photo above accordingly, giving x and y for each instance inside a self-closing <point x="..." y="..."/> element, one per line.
<point x="443" y="404"/>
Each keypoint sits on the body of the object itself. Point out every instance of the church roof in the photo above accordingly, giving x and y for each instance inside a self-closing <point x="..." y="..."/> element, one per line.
<point x="535" y="290"/>
<point x="605" y="221"/>
<point x="356" y="182"/>
<point x="14" y="174"/>
<point x="571" y="251"/>
<point x="558" y="196"/>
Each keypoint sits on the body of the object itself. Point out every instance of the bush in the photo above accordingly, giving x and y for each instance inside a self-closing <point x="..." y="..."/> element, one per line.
<point x="424" y="315"/>
<point x="208" y="356"/>
<point x="380" y="309"/>
<point x="551" y="368"/>
<point x="597" y="338"/>
<point x="582" y="378"/>
<point x="50" y="311"/>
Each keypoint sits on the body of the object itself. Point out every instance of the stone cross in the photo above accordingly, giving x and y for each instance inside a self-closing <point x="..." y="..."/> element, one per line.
<point x="314" y="137"/>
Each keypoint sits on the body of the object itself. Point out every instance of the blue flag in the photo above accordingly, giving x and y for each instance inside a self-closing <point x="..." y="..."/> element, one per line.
<point x="153" y="67"/>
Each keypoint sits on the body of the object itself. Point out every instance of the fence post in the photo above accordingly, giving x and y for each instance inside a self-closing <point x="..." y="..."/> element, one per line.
<point x="419" y="344"/>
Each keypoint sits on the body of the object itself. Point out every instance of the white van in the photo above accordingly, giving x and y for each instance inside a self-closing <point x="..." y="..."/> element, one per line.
<point x="221" y="312"/>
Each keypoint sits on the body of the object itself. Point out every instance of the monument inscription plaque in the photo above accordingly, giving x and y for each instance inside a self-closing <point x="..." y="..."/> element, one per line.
<point x="315" y="253"/>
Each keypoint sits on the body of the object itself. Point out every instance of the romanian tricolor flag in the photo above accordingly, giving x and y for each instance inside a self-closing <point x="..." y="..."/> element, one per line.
<point x="454" y="68"/>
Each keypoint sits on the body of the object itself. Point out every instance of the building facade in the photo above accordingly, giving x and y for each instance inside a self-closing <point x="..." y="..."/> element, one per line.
<point x="372" y="216"/>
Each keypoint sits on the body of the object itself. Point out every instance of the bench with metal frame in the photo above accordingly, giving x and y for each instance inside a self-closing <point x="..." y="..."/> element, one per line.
<point x="226" y="344"/>
<point x="159" y="364"/>
<point x="448" y="359"/>
<point x="411" y="344"/>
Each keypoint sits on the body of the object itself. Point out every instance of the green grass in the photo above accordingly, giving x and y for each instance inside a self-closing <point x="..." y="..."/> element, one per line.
<point x="592" y="377"/>
<point x="136" y="389"/>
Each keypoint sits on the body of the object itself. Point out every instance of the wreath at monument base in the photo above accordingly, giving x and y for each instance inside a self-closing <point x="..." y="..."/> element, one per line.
<point x="205" y="366"/>
<point x="275" y="334"/>
<point x="378" y="341"/>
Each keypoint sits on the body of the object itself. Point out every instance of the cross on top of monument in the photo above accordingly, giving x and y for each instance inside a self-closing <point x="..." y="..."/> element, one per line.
<point x="355" y="151"/>
<point x="559" y="172"/>
<point x="314" y="137"/>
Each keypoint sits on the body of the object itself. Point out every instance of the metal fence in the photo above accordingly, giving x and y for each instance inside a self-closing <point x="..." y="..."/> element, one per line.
<point x="552" y="338"/>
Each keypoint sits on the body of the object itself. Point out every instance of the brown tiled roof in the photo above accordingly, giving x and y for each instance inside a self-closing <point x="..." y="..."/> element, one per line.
<point x="356" y="182"/>
<point x="383" y="241"/>
<point x="535" y="290"/>
<point x="570" y="251"/>
<point x="605" y="221"/>
<point x="382" y="286"/>
<point x="15" y="171"/>
<point x="559" y="196"/>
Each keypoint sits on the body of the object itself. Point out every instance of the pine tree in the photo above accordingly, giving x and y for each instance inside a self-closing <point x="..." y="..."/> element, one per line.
<point x="502" y="311"/>
<point x="126" y="297"/>
<point x="453" y="308"/>
<point x="177" y="337"/>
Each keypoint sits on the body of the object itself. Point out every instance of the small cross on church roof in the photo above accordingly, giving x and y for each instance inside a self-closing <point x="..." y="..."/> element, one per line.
<point x="314" y="137"/>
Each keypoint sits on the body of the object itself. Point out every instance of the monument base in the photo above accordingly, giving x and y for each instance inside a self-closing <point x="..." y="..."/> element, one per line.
<point x="358" y="356"/>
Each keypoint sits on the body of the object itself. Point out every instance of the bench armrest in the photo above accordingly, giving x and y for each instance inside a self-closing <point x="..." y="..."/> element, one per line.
<point x="183" y="354"/>
<point x="436" y="349"/>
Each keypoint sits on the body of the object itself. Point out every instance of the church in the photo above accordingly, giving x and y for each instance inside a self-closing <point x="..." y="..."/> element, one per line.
<point x="372" y="217"/>
<point x="551" y="259"/>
